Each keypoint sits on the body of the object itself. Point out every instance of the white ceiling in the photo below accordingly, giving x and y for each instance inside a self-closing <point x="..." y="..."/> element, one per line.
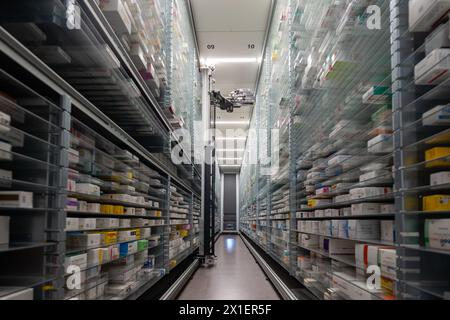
<point x="235" y="29"/>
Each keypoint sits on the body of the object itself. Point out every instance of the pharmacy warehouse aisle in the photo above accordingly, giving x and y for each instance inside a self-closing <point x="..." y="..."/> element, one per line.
<point x="235" y="276"/>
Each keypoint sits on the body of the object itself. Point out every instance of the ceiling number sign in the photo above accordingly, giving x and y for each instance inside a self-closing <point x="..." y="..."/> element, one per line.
<point x="210" y="47"/>
<point x="251" y="46"/>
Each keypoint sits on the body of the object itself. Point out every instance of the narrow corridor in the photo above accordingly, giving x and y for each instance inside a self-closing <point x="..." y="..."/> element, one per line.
<point x="236" y="276"/>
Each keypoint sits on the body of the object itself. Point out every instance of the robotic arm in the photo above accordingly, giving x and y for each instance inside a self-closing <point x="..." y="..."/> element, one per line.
<point x="236" y="100"/>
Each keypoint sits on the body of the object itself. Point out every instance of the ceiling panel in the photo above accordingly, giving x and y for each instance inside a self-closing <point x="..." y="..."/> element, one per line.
<point x="230" y="15"/>
<point x="232" y="29"/>
<point x="230" y="44"/>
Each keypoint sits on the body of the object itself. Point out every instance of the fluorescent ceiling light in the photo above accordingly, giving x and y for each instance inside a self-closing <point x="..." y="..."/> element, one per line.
<point x="230" y="150"/>
<point x="231" y="122"/>
<point x="212" y="61"/>
<point x="231" y="138"/>
<point x="224" y="159"/>
<point x="230" y="165"/>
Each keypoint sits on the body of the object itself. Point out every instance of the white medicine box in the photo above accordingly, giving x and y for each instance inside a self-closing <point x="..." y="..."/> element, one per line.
<point x="364" y="229"/>
<point x="438" y="116"/>
<point x="424" y="14"/>
<point x="117" y="13"/>
<point x="434" y="69"/>
<point x="16" y="199"/>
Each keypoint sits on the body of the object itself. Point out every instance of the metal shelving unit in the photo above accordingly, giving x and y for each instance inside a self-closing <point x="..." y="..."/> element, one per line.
<point x="84" y="78"/>
<point x="327" y="84"/>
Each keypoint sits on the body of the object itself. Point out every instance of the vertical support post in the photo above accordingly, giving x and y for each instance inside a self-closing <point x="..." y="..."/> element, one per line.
<point x="205" y="227"/>
<point x="406" y="225"/>
<point x="167" y="226"/>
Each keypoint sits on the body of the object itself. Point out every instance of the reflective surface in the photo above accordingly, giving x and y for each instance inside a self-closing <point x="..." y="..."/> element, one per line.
<point x="236" y="276"/>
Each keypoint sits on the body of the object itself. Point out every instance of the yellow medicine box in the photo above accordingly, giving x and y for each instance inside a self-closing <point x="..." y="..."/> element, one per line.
<point x="138" y="234"/>
<point x="438" y="202"/>
<point x="107" y="208"/>
<point x="109" y="237"/>
<point x="184" y="233"/>
<point x="119" y="209"/>
<point x="436" y="153"/>
<point x="312" y="203"/>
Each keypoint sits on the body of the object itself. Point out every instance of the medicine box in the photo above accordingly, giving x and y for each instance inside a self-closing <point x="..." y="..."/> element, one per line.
<point x="125" y="223"/>
<point x="79" y="260"/>
<point x="437" y="202"/>
<point x="142" y="245"/>
<point x="347" y="211"/>
<point x="361" y="257"/>
<point x="139" y="222"/>
<point x="323" y="190"/>
<point x="88" y="188"/>
<point x="375" y="175"/>
<point x="325" y="227"/>
<point x="94" y="256"/>
<point x="16" y="199"/>
<point x="16" y="293"/>
<point x="110" y="253"/>
<point x="343" y="229"/>
<point x="372" y="255"/>
<point x="72" y="204"/>
<point x="368" y="192"/>
<point x="138" y="57"/>
<point x="382" y="143"/>
<point x="309" y="241"/>
<point x="87" y="223"/>
<point x="109" y="237"/>
<point x="338" y="246"/>
<point x="335" y="228"/>
<point x="423" y="15"/>
<point x="434" y="69"/>
<point x="439" y="178"/>
<point x="82" y="206"/>
<point x="388" y="263"/>
<point x="128" y="235"/>
<point x="93" y="207"/>
<point x="377" y="95"/>
<point x="108" y="223"/>
<point x="122" y="277"/>
<point x="83" y="240"/>
<point x="364" y="229"/>
<point x="387" y="230"/>
<point x="387" y="208"/>
<point x="349" y="288"/>
<point x="437" y="153"/>
<point x="145" y="233"/>
<point x="439" y="38"/>
<point x="5" y="151"/>
<point x="130" y="211"/>
<point x="4" y="230"/>
<point x="437" y="233"/>
<point x="117" y="15"/>
<point x="319" y="213"/>
<point x="359" y="209"/>
<point x="128" y="248"/>
<point x="5" y="175"/>
<point x="331" y="213"/>
<point x="74" y="156"/>
<point x="72" y="224"/>
<point x="140" y="211"/>
<point x="318" y="202"/>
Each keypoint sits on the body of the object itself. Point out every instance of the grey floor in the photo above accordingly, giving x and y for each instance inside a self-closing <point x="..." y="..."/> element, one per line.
<point x="236" y="276"/>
